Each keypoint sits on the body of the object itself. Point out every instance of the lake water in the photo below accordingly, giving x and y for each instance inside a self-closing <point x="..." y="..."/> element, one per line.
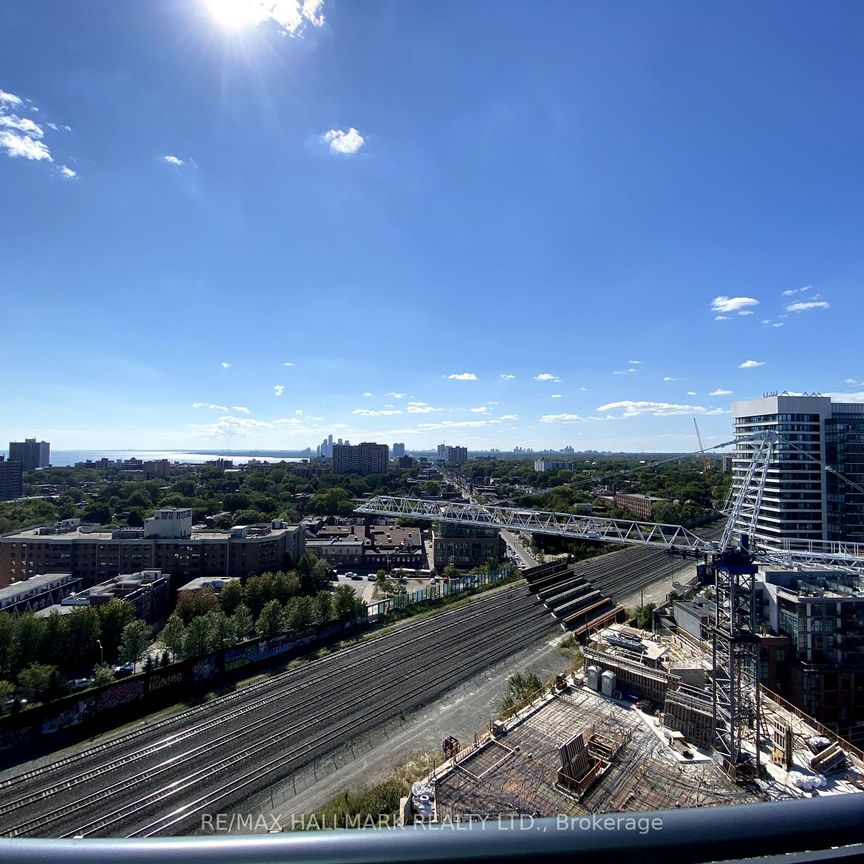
<point x="62" y="458"/>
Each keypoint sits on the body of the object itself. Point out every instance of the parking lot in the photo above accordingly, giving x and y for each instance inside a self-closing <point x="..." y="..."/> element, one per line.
<point x="366" y="590"/>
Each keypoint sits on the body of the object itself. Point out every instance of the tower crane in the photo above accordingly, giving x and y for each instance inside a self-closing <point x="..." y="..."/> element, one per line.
<point x="706" y="463"/>
<point x="735" y="690"/>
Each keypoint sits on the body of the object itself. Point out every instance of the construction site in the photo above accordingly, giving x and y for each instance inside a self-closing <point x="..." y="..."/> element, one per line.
<point x="630" y="732"/>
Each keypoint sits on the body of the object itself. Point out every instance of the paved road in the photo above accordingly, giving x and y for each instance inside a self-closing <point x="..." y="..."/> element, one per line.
<point x="515" y="545"/>
<point x="158" y="780"/>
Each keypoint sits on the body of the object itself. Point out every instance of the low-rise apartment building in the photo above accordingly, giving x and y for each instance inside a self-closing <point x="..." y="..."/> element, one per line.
<point x="94" y="553"/>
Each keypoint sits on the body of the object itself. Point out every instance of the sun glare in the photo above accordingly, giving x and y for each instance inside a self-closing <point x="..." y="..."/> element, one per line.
<point x="237" y="14"/>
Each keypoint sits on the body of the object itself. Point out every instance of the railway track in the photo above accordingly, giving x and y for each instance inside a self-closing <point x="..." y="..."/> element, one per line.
<point x="384" y="675"/>
<point x="309" y="674"/>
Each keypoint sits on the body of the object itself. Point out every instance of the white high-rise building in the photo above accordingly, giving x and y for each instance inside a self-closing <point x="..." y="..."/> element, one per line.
<point x="801" y="500"/>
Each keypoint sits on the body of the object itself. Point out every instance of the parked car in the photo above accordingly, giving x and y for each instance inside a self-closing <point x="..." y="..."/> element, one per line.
<point x="124" y="671"/>
<point x="80" y="683"/>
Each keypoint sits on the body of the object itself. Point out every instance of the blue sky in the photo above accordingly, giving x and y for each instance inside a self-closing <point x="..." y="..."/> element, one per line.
<point x="235" y="224"/>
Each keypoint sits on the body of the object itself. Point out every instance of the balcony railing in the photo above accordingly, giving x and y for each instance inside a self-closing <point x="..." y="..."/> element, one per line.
<point x="814" y="829"/>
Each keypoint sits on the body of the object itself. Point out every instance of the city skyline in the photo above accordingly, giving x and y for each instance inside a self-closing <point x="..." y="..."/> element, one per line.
<point x="530" y="230"/>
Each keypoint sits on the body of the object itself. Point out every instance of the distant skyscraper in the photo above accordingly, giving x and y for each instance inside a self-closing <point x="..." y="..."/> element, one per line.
<point x="32" y="454"/>
<point x="10" y="479"/>
<point x="398" y="451"/>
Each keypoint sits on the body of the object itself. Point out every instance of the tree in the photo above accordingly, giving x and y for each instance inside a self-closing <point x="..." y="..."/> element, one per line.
<point x="28" y="641"/>
<point x="257" y="593"/>
<point x="113" y="617"/>
<point x="231" y="596"/>
<point x="323" y="610"/>
<point x="40" y="682"/>
<point x="451" y="572"/>
<point x="345" y="603"/>
<point x="172" y="635"/>
<point x="242" y="621"/>
<point x="83" y="629"/>
<point x="7" y="639"/>
<point x="220" y="630"/>
<point x="7" y="688"/>
<point x="332" y="502"/>
<point x="645" y="616"/>
<point x="301" y="613"/>
<point x="285" y="586"/>
<point x="197" y="638"/>
<point x="102" y="674"/>
<point x="134" y="640"/>
<point x="192" y="604"/>
<point x="271" y="620"/>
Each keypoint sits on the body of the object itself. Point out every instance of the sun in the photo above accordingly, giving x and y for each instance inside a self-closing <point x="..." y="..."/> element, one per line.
<point x="237" y="14"/>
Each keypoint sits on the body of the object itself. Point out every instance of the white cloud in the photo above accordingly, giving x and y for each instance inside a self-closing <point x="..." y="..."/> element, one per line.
<point x="299" y="413"/>
<point x="240" y="409"/>
<point x="421" y="408"/>
<point x="367" y="393"/>
<point x="634" y="362"/>
<point x="509" y="417"/>
<point x="230" y="425"/>
<point x="21" y="124"/>
<point x="547" y="376"/>
<point x="806" y="306"/>
<point x="480" y="409"/>
<point x="288" y="363"/>
<point x="343" y="142"/>
<point x="793" y="291"/>
<point x="211" y="405"/>
<point x="173" y="160"/>
<point x="744" y="312"/>
<point x="504" y="376"/>
<point x="853" y="381"/>
<point x="278" y="389"/>
<point x="555" y="396"/>
<point x="396" y="395"/>
<point x="368" y="412"/>
<point x="491" y="403"/>
<point x="732" y="304"/>
<point x="458" y="424"/>
<point x="462" y="376"/>
<point x="719" y="391"/>
<point x="290" y="16"/>
<point x="288" y="421"/>
<point x="22" y="146"/>
<point x="629" y="371"/>
<point x="751" y="364"/>
<point x="670" y="378"/>
<point x="721" y="317"/>
<point x="562" y="418"/>
<point x="691" y="393"/>
<point x="656" y="409"/>
<point x="226" y="365"/>
<point x="21" y="137"/>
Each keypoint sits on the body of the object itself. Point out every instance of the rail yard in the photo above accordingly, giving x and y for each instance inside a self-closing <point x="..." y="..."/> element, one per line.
<point x="158" y="780"/>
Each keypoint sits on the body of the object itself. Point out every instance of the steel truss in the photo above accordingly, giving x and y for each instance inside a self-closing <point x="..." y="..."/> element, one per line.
<point x="673" y="538"/>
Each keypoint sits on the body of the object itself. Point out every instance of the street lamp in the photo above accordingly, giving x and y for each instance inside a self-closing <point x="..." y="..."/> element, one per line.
<point x="101" y="652"/>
